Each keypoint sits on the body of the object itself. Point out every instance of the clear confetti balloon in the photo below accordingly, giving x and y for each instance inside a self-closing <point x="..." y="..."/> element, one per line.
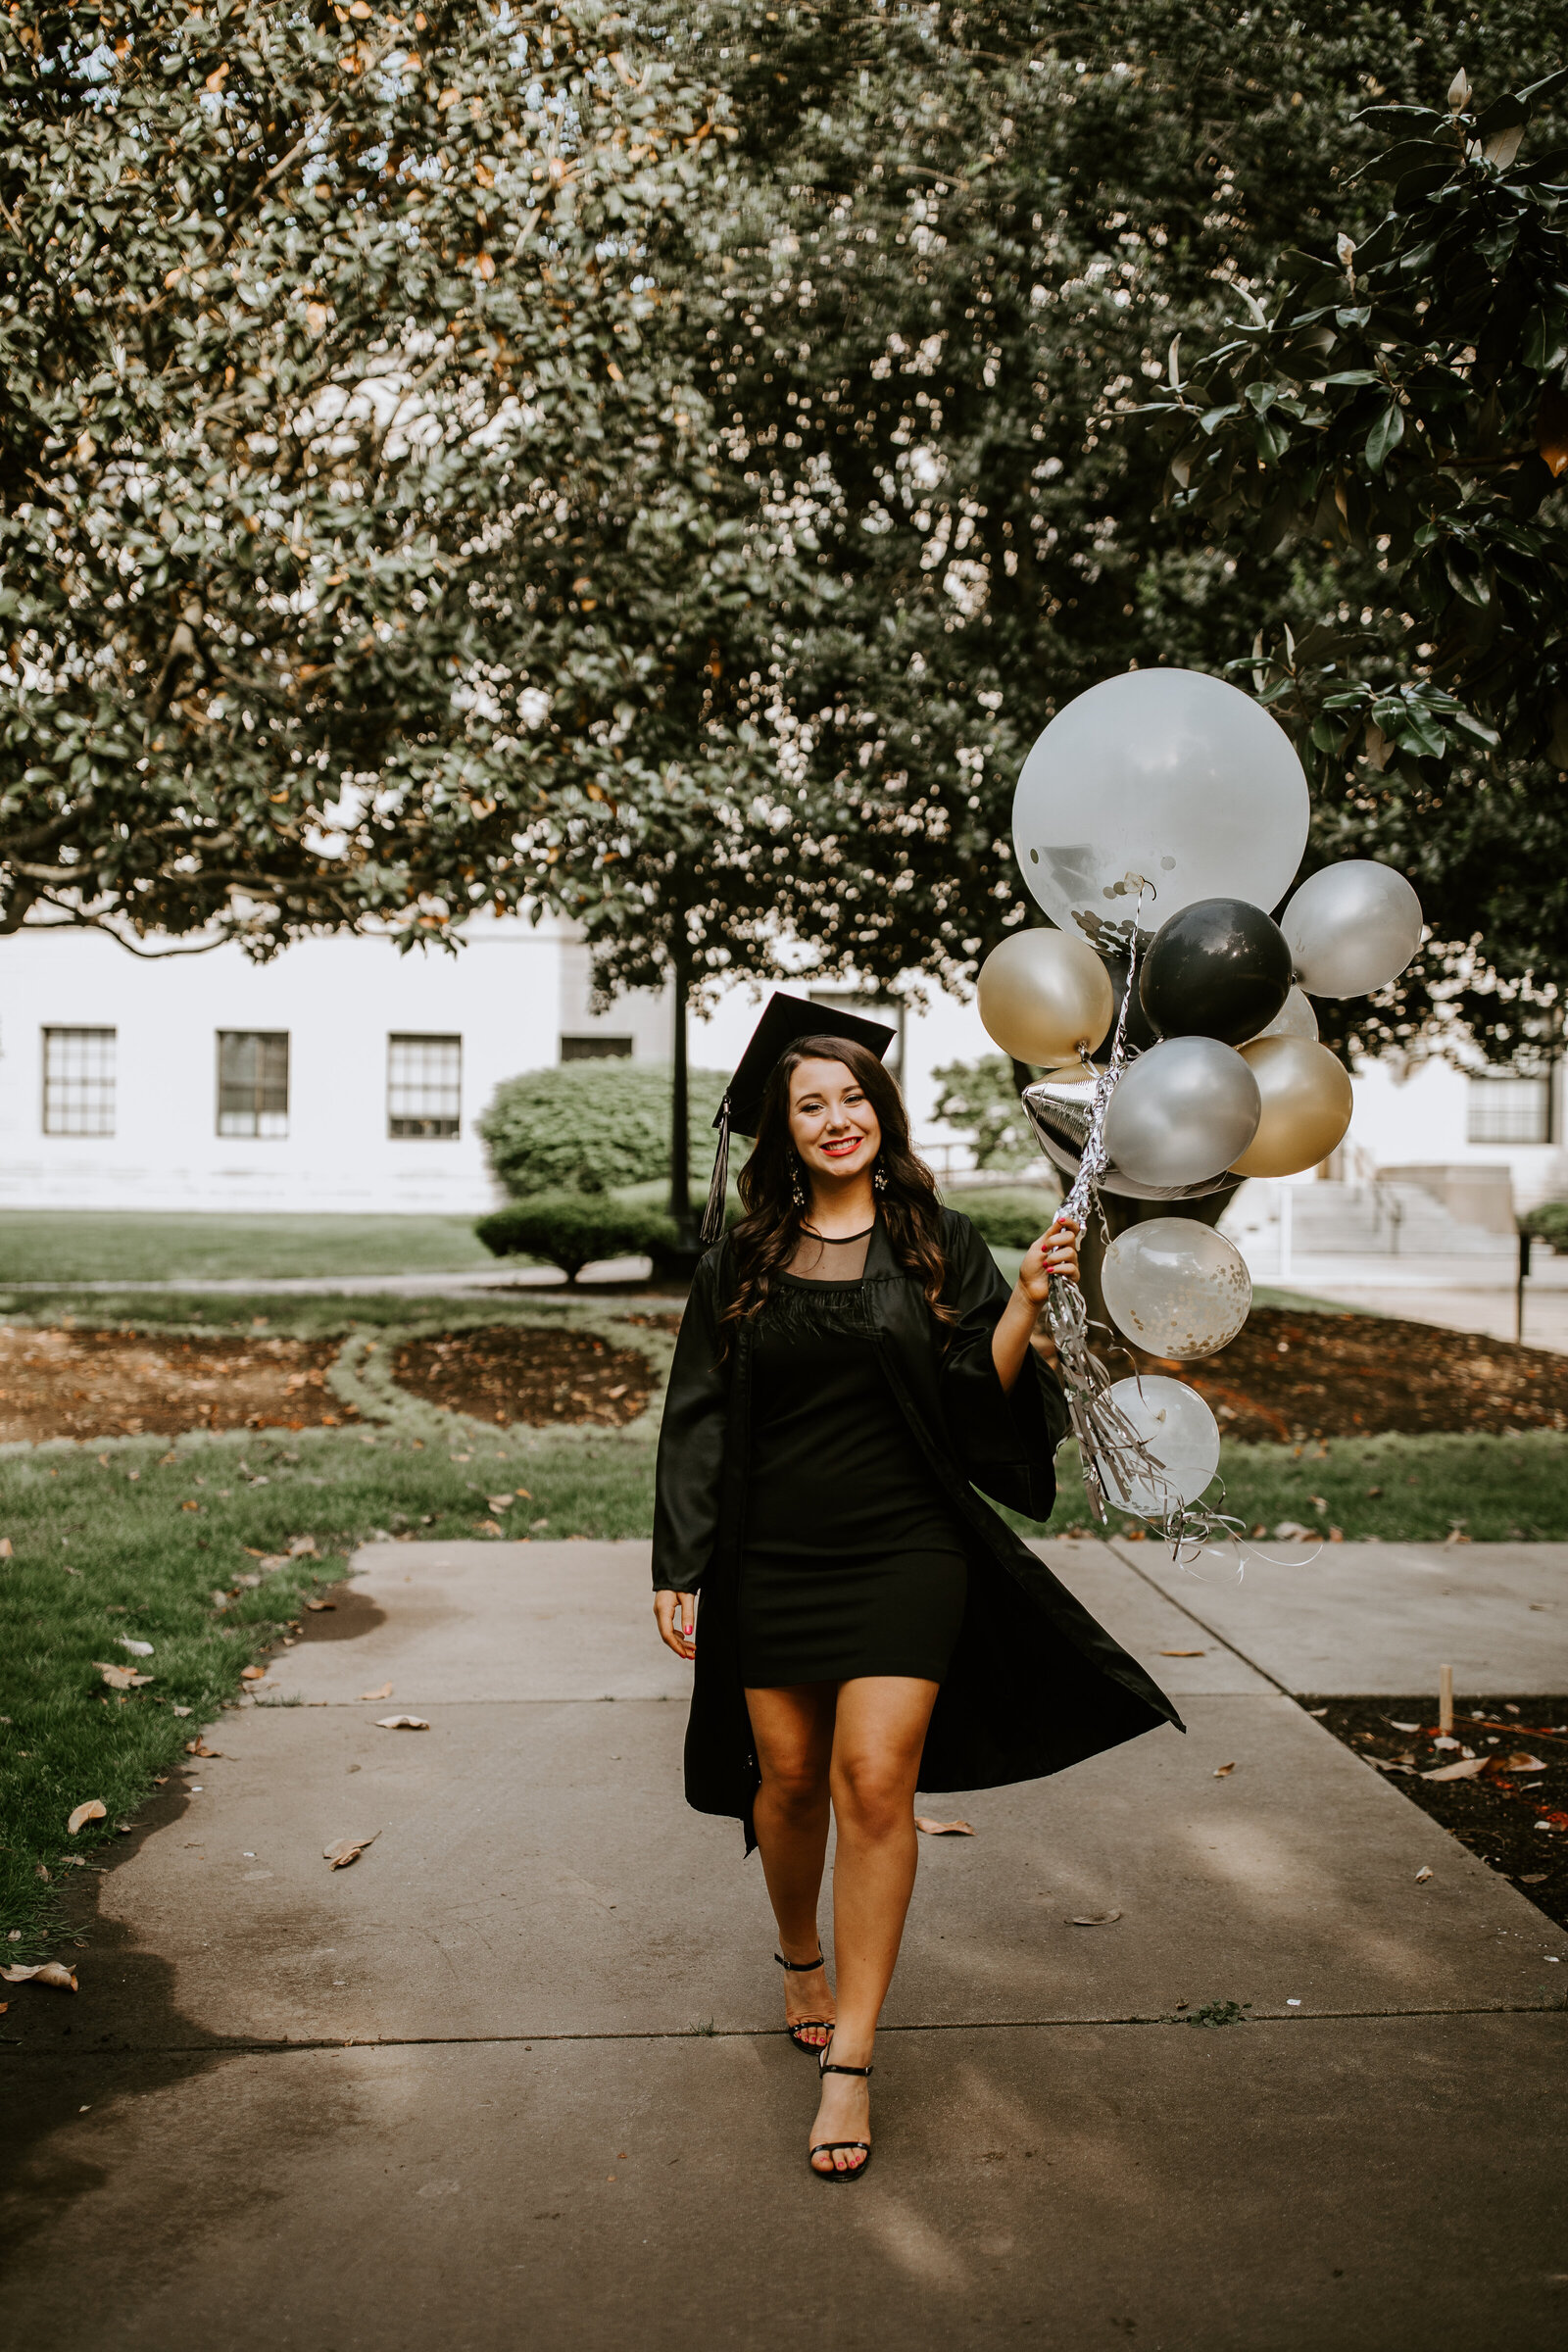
<point x="1176" y="1287"/>
<point x="1182" y="1437"/>
<point x="1153" y="790"/>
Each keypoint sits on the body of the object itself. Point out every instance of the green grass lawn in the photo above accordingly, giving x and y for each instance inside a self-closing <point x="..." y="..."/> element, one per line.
<point x="64" y="1246"/>
<point x="105" y="1546"/>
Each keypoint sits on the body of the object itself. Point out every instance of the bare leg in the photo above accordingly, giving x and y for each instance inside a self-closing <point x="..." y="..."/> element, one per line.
<point x="794" y="1733"/>
<point x="879" y="1730"/>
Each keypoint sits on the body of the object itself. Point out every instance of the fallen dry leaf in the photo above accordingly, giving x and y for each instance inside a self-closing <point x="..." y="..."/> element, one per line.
<point x="385" y="1691"/>
<point x="7" y="1550"/>
<point x="1094" y="1919"/>
<point x="500" y="1503"/>
<point x="301" y="1548"/>
<point x="52" y="1973"/>
<point x="1465" y="1770"/>
<point x="1378" y="1765"/>
<point x="347" y="1850"/>
<point x="182" y="1710"/>
<point x="320" y="1604"/>
<point x="252" y="1674"/>
<point x="1183" y="1653"/>
<point x="489" y="1527"/>
<point x="1402" y="1727"/>
<point x="1221" y="1771"/>
<point x="121" y="1678"/>
<point x="93" y="1810"/>
<point x="1422" y="1875"/>
<point x="941" y="1828"/>
<point x="1522" y="1763"/>
<point x="199" y="1747"/>
<point x="401" y="1723"/>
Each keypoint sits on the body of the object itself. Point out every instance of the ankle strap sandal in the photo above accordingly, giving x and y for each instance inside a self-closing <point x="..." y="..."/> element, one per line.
<point x="806" y="2025"/>
<point x="825" y="2148"/>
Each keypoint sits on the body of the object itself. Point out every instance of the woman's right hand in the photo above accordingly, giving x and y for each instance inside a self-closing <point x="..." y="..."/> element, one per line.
<point x="675" y="1615"/>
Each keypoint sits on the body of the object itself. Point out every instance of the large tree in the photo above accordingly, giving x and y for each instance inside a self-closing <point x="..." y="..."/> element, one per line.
<point x="1405" y="398"/>
<point x="954" y="247"/>
<point x="308" y="313"/>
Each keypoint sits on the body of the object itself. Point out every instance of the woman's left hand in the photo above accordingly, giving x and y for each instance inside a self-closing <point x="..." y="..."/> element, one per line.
<point x="1055" y="1252"/>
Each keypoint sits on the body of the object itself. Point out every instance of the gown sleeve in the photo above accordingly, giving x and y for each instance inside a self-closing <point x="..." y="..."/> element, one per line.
<point x="691" y="1442"/>
<point x="1006" y="1438"/>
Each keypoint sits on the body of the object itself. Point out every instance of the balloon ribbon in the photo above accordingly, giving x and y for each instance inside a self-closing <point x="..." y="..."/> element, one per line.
<point x="1115" y="1456"/>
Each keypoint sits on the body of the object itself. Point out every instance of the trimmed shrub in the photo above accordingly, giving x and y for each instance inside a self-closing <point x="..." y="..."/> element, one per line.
<point x="1548" y="1223"/>
<point x="1006" y="1218"/>
<point x="979" y="1099"/>
<point x="591" y="1126"/>
<point x="573" y="1230"/>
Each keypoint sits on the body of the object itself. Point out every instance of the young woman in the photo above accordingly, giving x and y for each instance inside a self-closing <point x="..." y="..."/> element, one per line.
<point x="851" y="1366"/>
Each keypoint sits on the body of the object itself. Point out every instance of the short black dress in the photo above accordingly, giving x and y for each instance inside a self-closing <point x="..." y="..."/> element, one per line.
<point x="853" y="1561"/>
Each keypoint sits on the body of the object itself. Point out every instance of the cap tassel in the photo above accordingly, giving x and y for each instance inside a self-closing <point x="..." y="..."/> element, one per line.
<point x="713" y="1215"/>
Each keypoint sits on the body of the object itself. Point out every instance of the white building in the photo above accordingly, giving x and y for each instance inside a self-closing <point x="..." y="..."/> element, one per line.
<point x="344" y="1076"/>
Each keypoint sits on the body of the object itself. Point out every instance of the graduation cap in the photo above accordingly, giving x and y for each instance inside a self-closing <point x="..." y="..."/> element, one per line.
<point x="785" y="1021"/>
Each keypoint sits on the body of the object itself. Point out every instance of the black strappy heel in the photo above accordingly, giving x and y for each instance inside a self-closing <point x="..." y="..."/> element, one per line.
<point x="804" y="1968"/>
<point x="822" y="2147"/>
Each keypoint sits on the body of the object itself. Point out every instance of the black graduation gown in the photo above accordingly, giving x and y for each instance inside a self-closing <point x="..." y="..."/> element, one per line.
<point x="1034" y="1682"/>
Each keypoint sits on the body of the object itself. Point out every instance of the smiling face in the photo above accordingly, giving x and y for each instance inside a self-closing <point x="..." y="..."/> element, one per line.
<point x="832" y="1124"/>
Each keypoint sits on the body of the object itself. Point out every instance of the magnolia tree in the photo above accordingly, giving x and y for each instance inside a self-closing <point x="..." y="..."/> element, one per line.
<point x="1404" y="399"/>
<point x="321" y="329"/>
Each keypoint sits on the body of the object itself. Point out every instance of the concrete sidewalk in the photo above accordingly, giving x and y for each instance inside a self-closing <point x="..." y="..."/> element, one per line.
<point x="518" y="2074"/>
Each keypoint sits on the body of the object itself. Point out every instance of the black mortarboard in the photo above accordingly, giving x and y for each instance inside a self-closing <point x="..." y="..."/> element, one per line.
<point x="785" y="1021"/>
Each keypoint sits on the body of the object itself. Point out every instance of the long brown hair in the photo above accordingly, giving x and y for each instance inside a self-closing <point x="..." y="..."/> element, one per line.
<point x="764" y="1241"/>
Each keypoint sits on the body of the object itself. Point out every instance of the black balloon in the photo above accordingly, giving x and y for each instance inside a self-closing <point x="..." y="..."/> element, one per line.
<point x="1138" y="1035"/>
<point x="1219" y="969"/>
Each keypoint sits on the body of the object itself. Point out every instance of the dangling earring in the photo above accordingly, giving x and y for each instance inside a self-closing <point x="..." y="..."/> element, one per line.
<point x="796" y="1192"/>
<point x="879" y="1178"/>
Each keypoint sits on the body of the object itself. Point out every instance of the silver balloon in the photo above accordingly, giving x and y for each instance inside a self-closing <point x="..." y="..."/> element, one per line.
<point x="1351" y="928"/>
<point x="1181" y="1434"/>
<point x="1165" y="783"/>
<point x="1295" y="1018"/>
<point x="1179" y="1110"/>
<point x="1176" y="1287"/>
<point x="1059" y="1110"/>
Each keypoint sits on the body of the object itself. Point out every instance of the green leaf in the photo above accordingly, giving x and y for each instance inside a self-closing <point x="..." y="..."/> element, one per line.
<point x="1386" y="435"/>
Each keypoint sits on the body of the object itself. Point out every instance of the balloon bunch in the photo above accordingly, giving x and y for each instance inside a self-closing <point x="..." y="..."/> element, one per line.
<point x="1169" y="797"/>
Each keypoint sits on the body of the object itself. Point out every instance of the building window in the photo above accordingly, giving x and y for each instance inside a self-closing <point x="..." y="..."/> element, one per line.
<point x="78" y="1081"/>
<point x="423" y="1084"/>
<point x="1508" y="1110"/>
<point x="253" y="1082"/>
<point x="596" y="1049"/>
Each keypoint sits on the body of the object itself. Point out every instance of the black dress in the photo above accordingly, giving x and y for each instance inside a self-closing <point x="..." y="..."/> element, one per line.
<point x="852" y="1559"/>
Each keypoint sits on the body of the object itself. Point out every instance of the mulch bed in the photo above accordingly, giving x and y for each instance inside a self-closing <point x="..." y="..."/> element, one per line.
<point x="507" y="1374"/>
<point x="118" y="1384"/>
<point x="1290" y="1375"/>
<point x="1496" y="1813"/>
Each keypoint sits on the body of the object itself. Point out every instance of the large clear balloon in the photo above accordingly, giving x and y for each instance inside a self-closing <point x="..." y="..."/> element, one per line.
<point x="1295" y="1018"/>
<point x="1351" y="928"/>
<point x="1176" y="1287"/>
<point x="1164" y="785"/>
<point x="1219" y="969"/>
<point x="1181" y="1434"/>
<point x="1059" y="1109"/>
<point x="1182" y="1113"/>
<point x="1306" y="1106"/>
<point x="1045" y="996"/>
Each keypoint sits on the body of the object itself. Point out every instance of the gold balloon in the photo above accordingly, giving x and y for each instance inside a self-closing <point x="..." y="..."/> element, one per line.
<point x="1044" y="995"/>
<point x="1306" y="1106"/>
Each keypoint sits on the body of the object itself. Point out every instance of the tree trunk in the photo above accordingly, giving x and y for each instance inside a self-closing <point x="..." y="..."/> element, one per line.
<point x="680" y="1148"/>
